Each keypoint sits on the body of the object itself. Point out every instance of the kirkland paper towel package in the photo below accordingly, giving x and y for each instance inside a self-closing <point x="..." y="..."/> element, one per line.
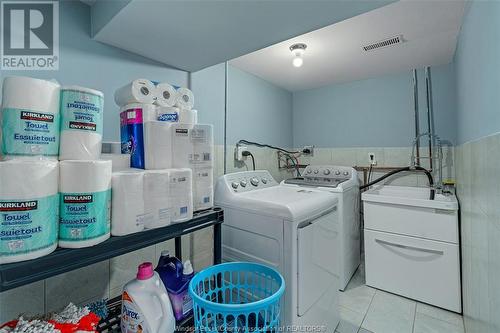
<point x="203" y="190"/>
<point x="157" y="198"/>
<point x="81" y="123"/>
<point x="85" y="203"/>
<point x="119" y="161"/>
<point x="127" y="207"/>
<point x="169" y="114"/>
<point x="185" y="99"/>
<point x="202" y="138"/>
<point x="181" y="194"/>
<point x="157" y="145"/>
<point x="29" y="209"/>
<point x="137" y="91"/>
<point x="188" y="116"/>
<point x="166" y="95"/>
<point x="29" y="117"/>
<point x="132" y="118"/>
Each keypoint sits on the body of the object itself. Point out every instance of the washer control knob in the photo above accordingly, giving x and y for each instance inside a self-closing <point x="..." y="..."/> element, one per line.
<point x="243" y="183"/>
<point x="309" y="170"/>
<point x="254" y="181"/>
<point x="264" y="180"/>
<point x="337" y="172"/>
<point x="235" y="185"/>
<point x="346" y="173"/>
<point x="316" y="171"/>
<point x="326" y="172"/>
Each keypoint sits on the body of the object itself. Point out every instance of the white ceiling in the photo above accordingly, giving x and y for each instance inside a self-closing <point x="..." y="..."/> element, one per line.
<point x="334" y="54"/>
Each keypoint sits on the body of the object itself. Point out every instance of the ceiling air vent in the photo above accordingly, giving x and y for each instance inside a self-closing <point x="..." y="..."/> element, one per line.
<point x="384" y="43"/>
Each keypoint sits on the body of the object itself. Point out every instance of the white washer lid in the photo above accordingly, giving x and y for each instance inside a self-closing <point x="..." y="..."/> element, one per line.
<point x="290" y="203"/>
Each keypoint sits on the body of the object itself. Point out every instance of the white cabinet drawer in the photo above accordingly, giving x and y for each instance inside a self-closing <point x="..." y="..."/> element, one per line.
<point x="429" y="223"/>
<point x="424" y="270"/>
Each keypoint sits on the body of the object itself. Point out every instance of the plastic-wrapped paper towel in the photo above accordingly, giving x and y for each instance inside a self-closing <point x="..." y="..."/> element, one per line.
<point x="192" y="145"/>
<point x="132" y="118"/>
<point x="188" y="116"/>
<point x="127" y="207"/>
<point x="29" y="209"/>
<point x="85" y="203"/>
<point x="157" y="145"/>
<point x="111" y="148"/>
<point x="137" y="91"/>
<point x="29" y="117"/>
<point x="119" y="161"/>
<point x="181" y="194"/>
<point x="185" y="99"/>
<point x="203" y="190"/>
<point x="166" y="113"/>
<point x="157" y="200"/>
<point x="166" y="95"/>
<point x="81" y="123"/>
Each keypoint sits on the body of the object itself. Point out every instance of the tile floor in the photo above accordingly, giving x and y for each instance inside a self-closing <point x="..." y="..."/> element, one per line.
<point x="367" y="310"/>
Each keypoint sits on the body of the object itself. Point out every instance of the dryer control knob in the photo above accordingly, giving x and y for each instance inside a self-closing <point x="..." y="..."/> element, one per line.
<point x="235" y="185"/>
<point x="309" y="170"/>
<point x="326" y="172"/>
<point x="316" y="171"/>
<point x="337" y="172"/>
<point x="243" y="183"/>
<point x="254" y="181"/>
<point x="264" y="180"/>
<point x="346" y="173"/>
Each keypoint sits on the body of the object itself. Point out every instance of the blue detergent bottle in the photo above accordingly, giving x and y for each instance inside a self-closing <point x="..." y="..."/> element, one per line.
<point x="171" y="271"/>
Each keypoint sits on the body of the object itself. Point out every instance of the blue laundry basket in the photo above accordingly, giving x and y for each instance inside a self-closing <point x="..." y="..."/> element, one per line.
<point x="237" y="297"/>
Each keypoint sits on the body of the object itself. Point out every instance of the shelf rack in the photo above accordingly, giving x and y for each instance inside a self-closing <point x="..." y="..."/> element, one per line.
<point x="64" y="260"/>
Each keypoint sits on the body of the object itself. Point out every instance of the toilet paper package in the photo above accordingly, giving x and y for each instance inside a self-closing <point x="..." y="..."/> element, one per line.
<point x="29" y="117"/>
<point x="181" y="194"/>
<point x="85" y="203"/>
<point x="157" y="200"/>
<point x="81" y="123"/>
<point x="128" y="214"/>
<point x="157" y="145"/>
<point x="111" y="148"/>
<point x="188" y="116"/>
<point x="137" y="91"/>
<point x="132" y="118"/>
<point x="203" y="190"/>
<point x="169" y="114"/>
<point x="29" y="209"/>
<point x="119" y="161"/>
<point x="166" y="95"/>
<point x="185" y="99"/>
<point x="182" y="146"/>
<point x="192" y="145"/>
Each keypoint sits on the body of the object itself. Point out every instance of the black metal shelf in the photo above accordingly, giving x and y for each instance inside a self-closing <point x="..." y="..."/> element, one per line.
<point x="65" y="260"/>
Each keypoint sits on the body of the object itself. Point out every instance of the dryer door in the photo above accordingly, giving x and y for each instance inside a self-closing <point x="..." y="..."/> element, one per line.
<point x="318" y="259"/>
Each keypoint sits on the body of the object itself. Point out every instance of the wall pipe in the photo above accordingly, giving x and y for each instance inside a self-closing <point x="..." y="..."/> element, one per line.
<point x="417" y="122"/>
<point x="430" y="114"/>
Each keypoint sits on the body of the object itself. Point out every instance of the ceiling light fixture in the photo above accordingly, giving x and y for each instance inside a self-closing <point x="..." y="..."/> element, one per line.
<point x="298" y="51"/>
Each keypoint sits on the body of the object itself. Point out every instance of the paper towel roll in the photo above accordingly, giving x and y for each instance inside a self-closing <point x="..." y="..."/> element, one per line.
<point x="81" y="123"/>
<point x="127" y="208"/>
<point x="188" y="116"/>
<point x="85" y="203"/>
<point x="119" y="161"/>
<point x="181" y="194"/>
<point x="185" y="99"/>
<point x="157" y="145"/>
<point x="203" y="190"/>
<point x="111" y="148"/>
<point x="29" y="117"/>
<point x="148" y="112"/>
<point x="157" y="200"/>
<point x="137" y="91"/>
<point x="169" y="114"/>
<point x="166" y="95"/>
<point x="29" y="206"/>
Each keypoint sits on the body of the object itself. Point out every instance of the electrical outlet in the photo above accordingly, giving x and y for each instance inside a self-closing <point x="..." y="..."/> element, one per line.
<point x="308" y="150"/>
<point x="371" y="159"/>
<point x="238" y="153"/>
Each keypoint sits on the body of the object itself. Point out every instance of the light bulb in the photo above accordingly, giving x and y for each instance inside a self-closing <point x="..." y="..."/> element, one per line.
<point x="297" y="61"/>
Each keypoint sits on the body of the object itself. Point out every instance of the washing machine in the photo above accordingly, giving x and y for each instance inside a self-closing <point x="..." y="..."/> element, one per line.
<point x="343" y="183"/>
<point x="291" y="229"/>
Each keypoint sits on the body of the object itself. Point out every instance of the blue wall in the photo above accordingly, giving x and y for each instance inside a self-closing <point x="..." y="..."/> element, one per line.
<point x="86" y="62"/>
<point x="477" y="62"/>
<point x="376" y="112"/>
<point x="257" y="110"/>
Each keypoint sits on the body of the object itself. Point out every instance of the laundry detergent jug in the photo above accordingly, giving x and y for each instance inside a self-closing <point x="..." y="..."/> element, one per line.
<point x="146" y="306"/>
